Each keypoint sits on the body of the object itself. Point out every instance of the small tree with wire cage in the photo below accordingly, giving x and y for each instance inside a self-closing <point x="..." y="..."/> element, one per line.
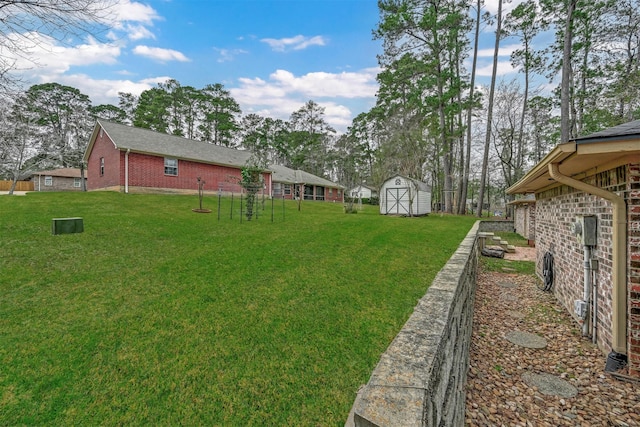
<point x="252" y="181"/>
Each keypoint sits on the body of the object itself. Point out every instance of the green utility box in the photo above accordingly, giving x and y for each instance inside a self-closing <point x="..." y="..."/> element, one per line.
<point x="66" y="225"/>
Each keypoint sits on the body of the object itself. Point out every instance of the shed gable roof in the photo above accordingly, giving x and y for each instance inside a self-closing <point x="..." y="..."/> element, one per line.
<point x="422" y="186"/>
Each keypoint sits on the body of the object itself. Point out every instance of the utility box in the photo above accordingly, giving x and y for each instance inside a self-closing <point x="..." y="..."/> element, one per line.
<point x="585" y="229"/>
<point x="67" y="225"/>
<point x="580" y="308"/>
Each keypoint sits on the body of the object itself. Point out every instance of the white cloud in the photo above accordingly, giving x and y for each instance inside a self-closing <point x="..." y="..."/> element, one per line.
<point x="504" y="67"/>
<point x="103" y="91"/>
<point x="502" y="51"/>
<point x="126" y="10"/>
<point x="160" y="54"/>
<point x="298" y="42"/>
<point x="227" y="55"/>
<point x="360" y="84"/>
<point x="491" y="6"/>
<point x="139" y="32"/>
<point x="132" y="18"/>
<point x="42" y="55"/>
<point x="283" y="93"/>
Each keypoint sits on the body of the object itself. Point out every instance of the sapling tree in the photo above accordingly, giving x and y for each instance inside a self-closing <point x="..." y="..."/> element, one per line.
<point x="251" y="179"/>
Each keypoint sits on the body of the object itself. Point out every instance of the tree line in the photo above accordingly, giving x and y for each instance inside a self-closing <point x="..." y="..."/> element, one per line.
<point x="432" y="121"/>
<point x="50" y="124"/>
<point x="578" y="73"/>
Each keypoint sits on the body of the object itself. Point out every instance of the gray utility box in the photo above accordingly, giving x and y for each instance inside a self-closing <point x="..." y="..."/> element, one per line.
<point x="586" y="230"/>
<point x="66" y="225"/>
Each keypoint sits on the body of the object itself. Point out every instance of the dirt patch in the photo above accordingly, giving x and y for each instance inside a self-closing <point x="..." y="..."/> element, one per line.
<point x="522" y="254"/>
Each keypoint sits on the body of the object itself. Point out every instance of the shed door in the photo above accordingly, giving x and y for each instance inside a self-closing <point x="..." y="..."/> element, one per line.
<point x="397" y="201"/>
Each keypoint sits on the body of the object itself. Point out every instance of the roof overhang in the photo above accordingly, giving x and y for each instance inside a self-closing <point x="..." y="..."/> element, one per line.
<point x="579" y="159"/>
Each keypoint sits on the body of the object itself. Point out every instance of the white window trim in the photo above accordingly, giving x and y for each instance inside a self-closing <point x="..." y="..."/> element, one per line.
<point x="170" y="166"/>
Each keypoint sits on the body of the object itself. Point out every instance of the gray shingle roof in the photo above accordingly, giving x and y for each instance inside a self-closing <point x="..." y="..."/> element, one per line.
<point x="623" y="131"/>
<point x="63" y="172"/>
<point x="147" y="141"/>
<point x="160" y="144"/>
<point x="289" y="176"/>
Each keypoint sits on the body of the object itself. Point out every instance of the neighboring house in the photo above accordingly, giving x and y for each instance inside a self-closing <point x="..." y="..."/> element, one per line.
<point x="587" y="216"/>
<point x="363" y="192"/>
<point x="400" y="195"/>
<point x="524" y="217"/>
<point x="66" y="179"/>
<point x="129" y="159"/>
<point x="289" y="183"/>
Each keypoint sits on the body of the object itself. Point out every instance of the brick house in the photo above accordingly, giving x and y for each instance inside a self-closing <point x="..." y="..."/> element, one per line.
<point x="65" y="179"/>
<point x="130" y="159"/>
<point x="524" y="217"/>
<point x="289" y="183"/>
<point x="587" y="215"/>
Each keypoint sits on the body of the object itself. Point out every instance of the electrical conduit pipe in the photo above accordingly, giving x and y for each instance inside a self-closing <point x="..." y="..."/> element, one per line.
<point x="586" y="292"/>
<point x="618" y="256"/>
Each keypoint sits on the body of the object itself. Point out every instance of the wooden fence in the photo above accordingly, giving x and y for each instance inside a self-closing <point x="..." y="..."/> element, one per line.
<point x="20" y="185"/>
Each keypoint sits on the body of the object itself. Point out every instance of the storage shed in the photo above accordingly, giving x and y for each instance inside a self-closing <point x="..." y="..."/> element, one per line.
<point x="400" y="195"/>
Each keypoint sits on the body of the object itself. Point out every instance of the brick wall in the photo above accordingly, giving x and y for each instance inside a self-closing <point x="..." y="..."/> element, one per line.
<point x="103" y="148"/>
<point x="148" y="171"/>
<point x="501" y="225"/>
<point x="59" y="183"/>
<point x="556" y="212"/>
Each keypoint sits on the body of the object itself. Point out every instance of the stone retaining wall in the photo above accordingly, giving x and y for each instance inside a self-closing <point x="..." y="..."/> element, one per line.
<point x="499" y="226"/>
<point x="420" y="379"/>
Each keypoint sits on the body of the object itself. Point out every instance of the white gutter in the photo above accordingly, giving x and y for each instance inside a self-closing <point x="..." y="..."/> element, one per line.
<point x="618" y="256"/>
<point x="126" y="171"/>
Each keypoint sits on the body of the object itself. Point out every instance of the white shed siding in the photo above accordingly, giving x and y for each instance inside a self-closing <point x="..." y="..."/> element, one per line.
<point x="396" y="194"/>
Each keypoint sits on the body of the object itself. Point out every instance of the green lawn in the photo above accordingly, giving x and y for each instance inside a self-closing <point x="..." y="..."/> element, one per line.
<point x="157" y="315"/>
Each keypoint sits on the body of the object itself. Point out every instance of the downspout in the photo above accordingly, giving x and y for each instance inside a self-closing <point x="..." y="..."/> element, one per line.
<point x="618" y="256"/>
<point x="126" y="171"/>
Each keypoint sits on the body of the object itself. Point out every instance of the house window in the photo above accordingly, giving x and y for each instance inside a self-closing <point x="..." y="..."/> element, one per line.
<point x="76" y="182"/>
<point x="287" y="189"/>
<point x="330" y="192"/>
<point x="170" y="166"/>
<point x="101" y="166"/>
<point x="48" y="181"/>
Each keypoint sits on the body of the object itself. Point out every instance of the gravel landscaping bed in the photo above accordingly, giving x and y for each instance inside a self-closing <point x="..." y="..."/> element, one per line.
<point x="497" y="393"/>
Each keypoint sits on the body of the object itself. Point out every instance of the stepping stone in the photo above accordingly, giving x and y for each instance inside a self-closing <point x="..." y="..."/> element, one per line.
<point x="511" y="249"/>
<point x="507" y="284"/>
<point x="496" y="238"/>
<point x="526" y="339"/>
<point x="550" y="385"/>
<point x="510" y="298"/>
<point x="516" y="314"/>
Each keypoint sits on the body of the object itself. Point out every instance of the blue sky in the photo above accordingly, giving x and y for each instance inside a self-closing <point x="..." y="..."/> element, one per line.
<point x="272" y="55"/>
